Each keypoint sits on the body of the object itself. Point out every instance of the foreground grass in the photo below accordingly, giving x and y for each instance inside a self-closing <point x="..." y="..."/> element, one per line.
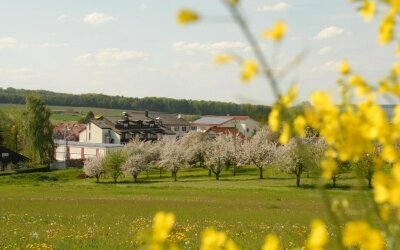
<point x="68" y="213"/>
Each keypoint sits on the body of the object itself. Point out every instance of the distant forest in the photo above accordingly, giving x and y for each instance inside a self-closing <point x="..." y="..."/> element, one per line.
<point x="161" y="104"/>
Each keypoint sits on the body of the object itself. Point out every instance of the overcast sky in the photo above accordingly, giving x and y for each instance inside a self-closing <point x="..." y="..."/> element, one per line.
<point x="135" y="48"/>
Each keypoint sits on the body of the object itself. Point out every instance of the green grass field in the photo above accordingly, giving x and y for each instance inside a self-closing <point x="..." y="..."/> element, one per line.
<point x="66" y="212"/>
<point x="8" y="108"/>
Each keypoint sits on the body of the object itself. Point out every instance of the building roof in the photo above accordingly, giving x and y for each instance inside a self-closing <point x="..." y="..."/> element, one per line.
<point x="7" y="155"/>
<point x="169" y="119"/>
<point x="137" y="122"/>
<point x="217" y="120"/>
<point x="60" y="130"/>
<point x="87" y="144"/>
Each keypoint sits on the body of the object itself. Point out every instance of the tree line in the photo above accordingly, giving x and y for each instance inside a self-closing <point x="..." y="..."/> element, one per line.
<point x="196" y="149"/>
<point x="160" y="104"/>
<point x="29" y="131"/>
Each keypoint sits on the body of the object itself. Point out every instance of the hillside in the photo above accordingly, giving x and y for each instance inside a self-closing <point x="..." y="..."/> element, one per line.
<point x="161" y="104"/>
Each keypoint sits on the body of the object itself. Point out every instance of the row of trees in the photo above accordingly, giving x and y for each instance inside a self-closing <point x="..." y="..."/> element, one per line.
<point x="225" y="151"/>
<point x="18" y="96"/>
<point x="29" y="132"/>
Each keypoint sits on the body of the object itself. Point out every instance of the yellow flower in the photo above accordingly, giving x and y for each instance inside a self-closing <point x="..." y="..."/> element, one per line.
<point x="318" y="236"/>
<point x="274" y="119"/>
<point x="358" y="82"/>
<point x="386" y="28"/>
<point x="277" y="32"/>
<point x="368" y="10"/>
<point x="344" y="67"/>
<point x="291" y="95"/>
<point x="359" y="233"/>
<point x="186" y="16"/>
<point x="285" y="135"/>
<point x="162" y="225"/>
<point x="213" y="240"/>
<point x="223" y="59"/>
<point x="396" y="68"/>
<point x="300" y="125"/>
<point x="249" y="70"/>
<point x="329" y="167"/>
<point x="271" y="243"/>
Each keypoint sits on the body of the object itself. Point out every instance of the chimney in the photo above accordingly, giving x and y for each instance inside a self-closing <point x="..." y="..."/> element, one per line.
<point x="146" y="113"/>
<point x="179" y="116"/>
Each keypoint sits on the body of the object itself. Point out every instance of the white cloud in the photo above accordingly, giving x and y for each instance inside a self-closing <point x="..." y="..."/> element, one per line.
<point x="43" y="45"/>
<point x="329" y="32"/>
<point x="325" y="50"/>
<point x="7" y="42"/>
<point x="97" y="18"/>
<point x="279" y="6"/>
<point x="330" y="66"/>
<point x="207" y="47"/>
<point x="112" y="55"/>
<point x="143" y="6"/>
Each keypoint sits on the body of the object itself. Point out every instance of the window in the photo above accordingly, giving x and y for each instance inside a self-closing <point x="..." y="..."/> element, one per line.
<point x="4" y="155"/>
<point x="247" y="130"/>
<point x="125" y="125"/>
<point x="183" y="128"/>
<point x="193" y="128"/>
<point x="176" y="128"/>
<point x="89" y="136"/>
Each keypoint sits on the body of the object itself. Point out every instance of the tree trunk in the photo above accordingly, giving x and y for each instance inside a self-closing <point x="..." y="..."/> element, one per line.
<point x="370" y="181"/>
<point x="217" y="176"/>
<point x="234" y="169"/>
<point x="97" y="178"/>
<point x="135" y="178"/>
<point x="160" y="172"/>
<point x="261" y="173"/>
<point x="115" y="180"/>
<point x="334" y="181"/>
<point x="209" y="172"/>
<point x="297" y="180"/>
<point x="175" y="173"/>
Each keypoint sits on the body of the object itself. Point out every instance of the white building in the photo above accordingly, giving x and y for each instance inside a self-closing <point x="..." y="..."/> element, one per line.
<point x="122" y="129"/>
<point x="72" y="150"/>
<point x="244" y="125"/>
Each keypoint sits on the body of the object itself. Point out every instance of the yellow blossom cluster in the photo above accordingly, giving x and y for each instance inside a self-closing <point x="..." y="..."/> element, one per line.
<point x="359" y="233"/>
<point x="279" y="116"/>
<point x="387" y="188"/>
<point x="212" y="239"/>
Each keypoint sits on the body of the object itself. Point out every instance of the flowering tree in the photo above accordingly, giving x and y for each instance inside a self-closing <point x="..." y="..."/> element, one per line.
<point x="194" y="144"/>
<point x="259" y="151"/>
<point x="298" y="155"/>
<point x="172" y="156"/>
<point x="139" y="155"/>
<point x="94" y="167"/>
<point x="217" y="154"/>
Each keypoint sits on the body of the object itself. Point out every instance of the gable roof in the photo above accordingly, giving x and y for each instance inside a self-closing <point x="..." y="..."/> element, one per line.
<point x="217" y="120"/>
<point x="7" y="155"/>
<point x="116" y="123"/>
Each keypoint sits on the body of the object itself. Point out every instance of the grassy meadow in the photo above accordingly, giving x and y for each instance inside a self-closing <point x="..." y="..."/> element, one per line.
<point x="64" y="117"/>
<point x="63" y="211"/>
